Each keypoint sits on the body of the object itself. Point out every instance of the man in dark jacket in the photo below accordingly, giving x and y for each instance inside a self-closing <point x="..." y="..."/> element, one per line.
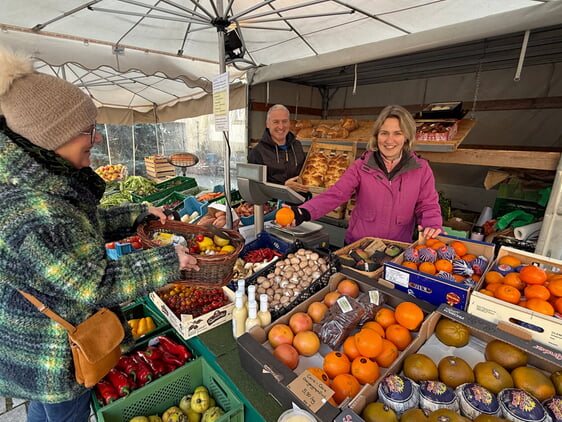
<point x="279" y="150"/>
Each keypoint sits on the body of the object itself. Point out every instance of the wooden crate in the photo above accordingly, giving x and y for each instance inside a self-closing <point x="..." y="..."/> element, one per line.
<point x="158" y="167"/>
<point x="349" y="150"/>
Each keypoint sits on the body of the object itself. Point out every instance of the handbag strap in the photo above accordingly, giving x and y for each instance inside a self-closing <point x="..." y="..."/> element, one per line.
<point x="48" y="311"/>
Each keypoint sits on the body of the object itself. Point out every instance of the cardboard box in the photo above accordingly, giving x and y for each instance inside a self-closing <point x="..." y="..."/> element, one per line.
<point x="541" y="328"/>
<point x="431" y="288"/>
<point x="187" y="326"/>
<point x="481" y="332"/>
<point x="257" y="358"/>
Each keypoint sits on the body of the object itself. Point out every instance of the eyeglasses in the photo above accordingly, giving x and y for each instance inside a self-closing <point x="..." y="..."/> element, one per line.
<point x="92" y="134"/>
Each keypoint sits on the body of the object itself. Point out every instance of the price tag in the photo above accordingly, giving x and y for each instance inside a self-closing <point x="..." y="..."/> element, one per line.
<point x="397" y="277"/>
<point x="313" y="392"/>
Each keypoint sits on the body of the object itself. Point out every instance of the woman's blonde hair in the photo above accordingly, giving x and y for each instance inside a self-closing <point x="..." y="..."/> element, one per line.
<point x="405" y="120"/>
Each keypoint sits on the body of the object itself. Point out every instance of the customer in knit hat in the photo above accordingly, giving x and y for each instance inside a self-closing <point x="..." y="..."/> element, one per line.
<point x="53" y="237"/>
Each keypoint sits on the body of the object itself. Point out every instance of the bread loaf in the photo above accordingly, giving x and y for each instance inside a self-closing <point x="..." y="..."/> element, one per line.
<point x="322" y="131"/>
<point x="337" y="165"/>
<point x="349" y="123"/>
<point x="337" y="133"/>
<point x="314" y="170"/>
<point x="301" y="124"/>
<point x="306" y="132"/>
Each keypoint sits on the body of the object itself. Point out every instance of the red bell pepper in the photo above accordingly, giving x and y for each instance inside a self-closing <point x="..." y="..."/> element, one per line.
<point x="152" y="353"/>
<point x="174" y="348"/>
<point x="168" y="358"/>
<point x="120" y="381"/>
<point x="106" y="391"/>
<point x="144" y="374"/>
<point x="127" y="365"/>
<point x="157" y="366"/>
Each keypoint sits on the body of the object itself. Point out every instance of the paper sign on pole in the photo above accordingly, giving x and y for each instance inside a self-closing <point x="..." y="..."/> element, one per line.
<point x="221" y="102"/>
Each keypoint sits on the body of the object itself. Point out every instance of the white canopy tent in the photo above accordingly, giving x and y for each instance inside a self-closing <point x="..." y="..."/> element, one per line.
<point x="140" y="60"/>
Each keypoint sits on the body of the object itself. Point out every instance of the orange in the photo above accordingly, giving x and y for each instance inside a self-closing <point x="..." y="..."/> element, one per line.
<point x="365" y="370"/>
<point x="509" y="260"/>
<point x="555" y="287"/>
<point x="459" y="247"/>
<point x="348" y="287"/>
<point x="284" y="216"/>
<point x="385" y="317"/>
<point x="336" y="363"/>
<point x="444" y="265"/>
<point x="345" y="385"/>
<point x="410" y="264"/>
<point x="458" y="278"/>
<point x="435" y="245"/>
<point x="307" y="343"/>
<point x="492" y="287"/>
<point x="388" y="354"/>
<point x="427" y="267"/>
<point x="430" y="242"/>
<point x="536" y="291"/>
<point x="487" y="292"/>
<point x="558" y="305"/>
<point x="373" y="325"/>
<point x="532" y="275"/>
<point x="468" y="257"/>
<point x="399" y="335"/>
<point x="368" y="342"/>
<point x="320" y="374"/>
<point x="409" y="315"/>
<point x="541" y="306"/>
<point x="508" y="293"/>
<point x="513" y="279"/>
<point x="331" y="298"/>
<point x="493" y="277"/>
<point x="350" y="348"/>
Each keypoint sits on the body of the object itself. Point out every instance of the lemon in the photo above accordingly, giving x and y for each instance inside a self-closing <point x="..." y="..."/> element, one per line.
<point x="228" y="248"/>
<point x="206" y="243"/>
<point x="220" y="241"/>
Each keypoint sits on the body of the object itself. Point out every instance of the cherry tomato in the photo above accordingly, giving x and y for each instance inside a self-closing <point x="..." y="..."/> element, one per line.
<point x="199" y="238"/>
<point x="110" y="245"/>
<point x="136" y="245"/>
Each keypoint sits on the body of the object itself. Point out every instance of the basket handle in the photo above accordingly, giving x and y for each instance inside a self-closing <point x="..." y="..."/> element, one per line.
<point x="146" y="217"/>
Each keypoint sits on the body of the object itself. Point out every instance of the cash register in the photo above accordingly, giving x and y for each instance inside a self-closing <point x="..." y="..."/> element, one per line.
<point x="255" y="189"/>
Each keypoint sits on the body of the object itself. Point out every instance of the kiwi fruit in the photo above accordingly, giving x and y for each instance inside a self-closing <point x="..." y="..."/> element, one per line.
<point x="454" y="371"/>
<point x="507" y="355"/>
<point x="534" y="382"/>
<point x="418" y="367"/>
<point x="492" y="376"/>
<point x="449" y="415"/>
<point x="452" y="333"/>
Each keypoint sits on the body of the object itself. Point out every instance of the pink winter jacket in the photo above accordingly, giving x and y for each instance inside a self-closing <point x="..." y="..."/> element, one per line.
<point x="384" y="209"/>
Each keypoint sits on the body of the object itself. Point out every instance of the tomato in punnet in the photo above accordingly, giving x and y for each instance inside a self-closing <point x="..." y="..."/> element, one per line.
<point x="110" y="245"/>
<point x="136" y="245"/>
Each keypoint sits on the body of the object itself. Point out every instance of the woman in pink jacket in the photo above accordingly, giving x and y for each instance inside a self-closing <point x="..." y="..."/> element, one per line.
<point x="395" y="189"/>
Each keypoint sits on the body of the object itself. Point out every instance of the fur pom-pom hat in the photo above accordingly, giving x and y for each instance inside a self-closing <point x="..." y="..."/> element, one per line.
<point x="47" y="110"/>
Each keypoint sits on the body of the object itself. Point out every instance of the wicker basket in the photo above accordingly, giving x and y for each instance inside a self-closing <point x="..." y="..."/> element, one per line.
<point x="214" y="270"/>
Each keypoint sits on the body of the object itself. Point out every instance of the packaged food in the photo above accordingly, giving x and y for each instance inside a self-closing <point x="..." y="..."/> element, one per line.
<point x="436" y="395"/>
<point x="169" y="239"/>
<point x="475" y="400"/>
<point x="399" y="393"/>
<point x="342" y="317"/>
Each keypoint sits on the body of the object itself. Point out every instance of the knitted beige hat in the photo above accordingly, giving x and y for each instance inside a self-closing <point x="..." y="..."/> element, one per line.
<point x="47" y="110"/>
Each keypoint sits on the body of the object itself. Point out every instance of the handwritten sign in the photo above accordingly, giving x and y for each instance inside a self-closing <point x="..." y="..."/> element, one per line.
<point x="221" y="102"/>
<point x="313" y="392"/>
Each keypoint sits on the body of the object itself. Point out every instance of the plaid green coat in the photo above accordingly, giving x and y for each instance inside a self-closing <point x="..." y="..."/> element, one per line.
<point x="52" y="244"/>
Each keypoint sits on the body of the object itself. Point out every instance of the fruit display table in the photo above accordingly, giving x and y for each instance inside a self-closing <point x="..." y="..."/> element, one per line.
<point x="219" y="348"/>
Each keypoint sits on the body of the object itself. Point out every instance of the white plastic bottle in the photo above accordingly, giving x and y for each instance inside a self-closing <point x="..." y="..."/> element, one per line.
<point x="252" y="319"/>
<point x="239" y="316"/>
<point x="251" y="293"/>
<point x="242" y="288"/>
<point x="263" y="314"/>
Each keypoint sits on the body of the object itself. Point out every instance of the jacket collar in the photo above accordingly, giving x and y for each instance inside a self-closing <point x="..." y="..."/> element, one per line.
<point x="408" y="162"/>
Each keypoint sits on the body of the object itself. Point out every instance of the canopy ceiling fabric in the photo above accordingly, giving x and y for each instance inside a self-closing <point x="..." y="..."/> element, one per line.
<point x="151" y="57"/>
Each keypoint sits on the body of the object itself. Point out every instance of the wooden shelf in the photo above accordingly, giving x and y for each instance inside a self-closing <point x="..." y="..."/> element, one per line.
<point x="464" y="128"/>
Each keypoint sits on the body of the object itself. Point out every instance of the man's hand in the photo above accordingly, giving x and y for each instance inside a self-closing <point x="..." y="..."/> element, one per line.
<point x="294" y="184"/>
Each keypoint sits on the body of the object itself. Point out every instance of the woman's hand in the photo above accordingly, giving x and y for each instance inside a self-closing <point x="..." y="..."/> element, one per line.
<point x="294" y="184"/>
<point x="428" y="232"/>
<point x="187" y="261"/>
<point x="159" y="212"/>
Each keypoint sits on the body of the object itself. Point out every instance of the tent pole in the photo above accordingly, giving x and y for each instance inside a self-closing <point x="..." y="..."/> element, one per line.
<point x="222" y="69"/>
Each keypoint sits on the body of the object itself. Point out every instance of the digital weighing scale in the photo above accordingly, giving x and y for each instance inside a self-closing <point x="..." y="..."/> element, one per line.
<point x="254" y="188"/>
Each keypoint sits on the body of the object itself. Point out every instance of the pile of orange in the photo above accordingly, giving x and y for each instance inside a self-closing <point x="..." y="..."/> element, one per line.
<point x="377" y="344"/>
<point x="531" y="287"/>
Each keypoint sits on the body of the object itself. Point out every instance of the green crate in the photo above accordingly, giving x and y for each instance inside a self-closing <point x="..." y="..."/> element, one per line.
<point x="140" y="309"/>
<point x="141" y="344"/>
<point x="170" y="199"/>
<point x="157" y="396"/>
<point x="176" y="184"/>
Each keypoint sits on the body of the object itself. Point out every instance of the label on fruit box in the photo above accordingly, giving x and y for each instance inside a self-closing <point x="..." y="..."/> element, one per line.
<point x="374" y="297"/>
<point x="344" y="304"/>
<point x="313" y="392"/>
<point x="397" y="277"/>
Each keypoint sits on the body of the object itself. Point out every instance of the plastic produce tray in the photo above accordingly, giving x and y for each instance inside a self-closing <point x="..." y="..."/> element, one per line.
<point x="120" y="250"/>
<point x="141" y="309"/>
<point x="176" y="184"/>
<point x="191" y="204"/>
<point x="159" y="395"/>
<point x="248" y="221"/>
